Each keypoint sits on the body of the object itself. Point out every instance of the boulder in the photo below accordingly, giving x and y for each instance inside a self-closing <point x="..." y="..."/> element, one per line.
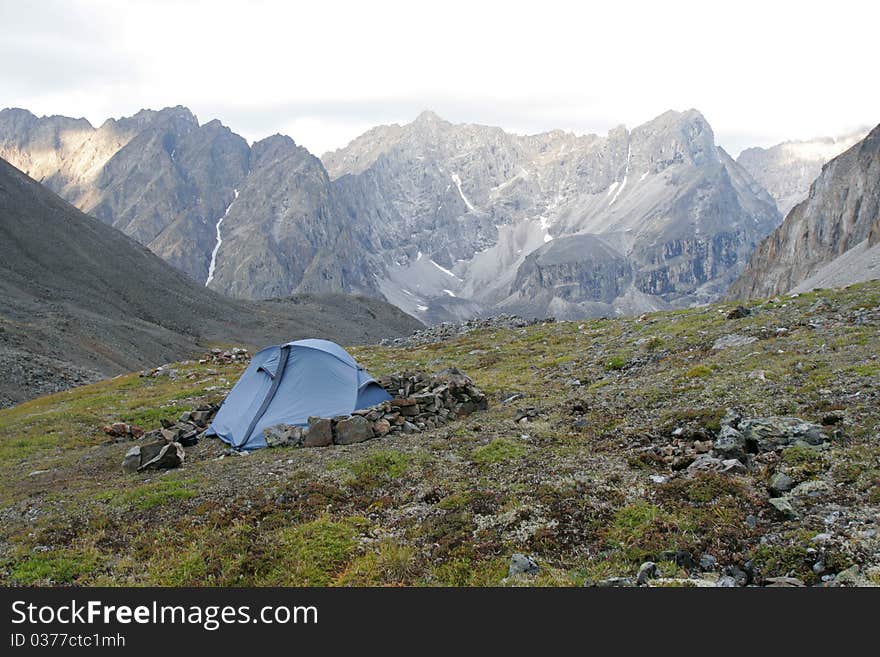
<point x="283" y="435"/>
<point x="355" y="429"/>
<point x="320" y="433"/>
<point x="381" y="427"/>
<point x="647" y="571"/>
<point x="765" y="434"/>
<point x="132" y="460"/>
<point x="779" y="484"/>
<point x="730" y="444"/>
<point x="783" y="507"/>
<point x="521" y="564"/>
<point x="738" y="313"/>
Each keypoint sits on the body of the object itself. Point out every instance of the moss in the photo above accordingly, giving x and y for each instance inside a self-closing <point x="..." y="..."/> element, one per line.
<point x="315" y="553"/>
<point x="378" y="468"/>
<point x="802" y="463"/>
<point x="708" y="418"/>
<point x="157" y="493"/>
<point x="500" y="449"/>
<point x="389" y="562"/>
<point x="617" y="362"/>
<point x="55" y="567"/>
<point x="698" y="372"/>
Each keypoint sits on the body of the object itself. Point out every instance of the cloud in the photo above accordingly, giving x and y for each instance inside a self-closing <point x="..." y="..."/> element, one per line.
<point x="773" y="70"/>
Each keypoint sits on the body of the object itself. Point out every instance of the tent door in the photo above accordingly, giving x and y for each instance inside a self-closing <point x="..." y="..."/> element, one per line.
<point x="276" y="381"/>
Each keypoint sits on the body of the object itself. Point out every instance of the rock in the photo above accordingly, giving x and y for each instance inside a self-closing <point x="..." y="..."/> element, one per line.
<point x="740" y="577"/>
<point x="780" y="483"/>
<point x="766" y="434"/>
<point x="201" y="418"/>
<point x="382" y="427"/>
<point x="281" y="435"/>
<point x="738" y="313"/>
<point x="730" y="444"/>
<point x="732" y="466"/>
<point x="320" y="433"/>
<point x="615" y="582"/>
<point x="726" y="581"/>
<point x="852" y="576"/>
<point x="355" y="429"/>
<point x="155" y="456"/>
<point x="708" y="562"/>
<point x="647" y="571"/>
<point x="704" y="463"/>
<point x="132" y="460"/>
<point x="812" y="488"/>
<point x="732" y="340"/>
<point x="783" y="506"/>
<point x="521" y="564"/>
<point x="778" y="582"/>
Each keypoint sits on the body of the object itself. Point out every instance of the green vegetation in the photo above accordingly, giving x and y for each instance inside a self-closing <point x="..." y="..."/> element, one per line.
<point x="500" y="449"/>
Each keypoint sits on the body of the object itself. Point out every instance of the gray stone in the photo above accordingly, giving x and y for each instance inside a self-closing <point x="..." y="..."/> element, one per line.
<point x="171" y="455"/>
<point x="521" y="564"/>
<point x="704" y="463"/>
<point x="320" y="433"/>
<point x="730" y="444"/>
<point x="780" y="483"/>
<point x="772" y="433"/>
<point x="812" y="488"/>
<point x="732" y="466"/>
<point x="726" y="581"/>
<point x="355" y="429"/>
<point x="132" y="460"/>
<point x="647" y="571"/>
<point x="615" y="582"/>
<point x="783" y="506"/>
<point x="708" y="562"/>
<point x="779" y="582"/>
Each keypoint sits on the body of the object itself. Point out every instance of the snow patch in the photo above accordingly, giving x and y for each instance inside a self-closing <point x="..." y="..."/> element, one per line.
<point x="449" y="292"/>
<point x="644" y="175"/>
<point x="445" y="271"/>
<point x="625" y="175"/>
<point x="457" y="181"/>
<point x="213" y="264"/>
<point x="419" y="256"/>
<point x="421" y="309"/>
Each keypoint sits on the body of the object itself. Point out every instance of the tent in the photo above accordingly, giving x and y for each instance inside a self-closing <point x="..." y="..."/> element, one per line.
<point x="288" y="383"/>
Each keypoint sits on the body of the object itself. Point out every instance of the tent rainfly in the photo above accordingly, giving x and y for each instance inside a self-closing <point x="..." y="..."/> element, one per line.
<point x="289" y="383"/>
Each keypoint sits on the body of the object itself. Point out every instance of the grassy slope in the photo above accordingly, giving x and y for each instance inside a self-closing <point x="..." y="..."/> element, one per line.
<point x="450" y="506"/>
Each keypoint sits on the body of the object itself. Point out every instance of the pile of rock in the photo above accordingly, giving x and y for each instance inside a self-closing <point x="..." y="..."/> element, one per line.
<point x="421" y="401"/>
<point x="234" y="355"/>
<point x="733" y="447"/>
<point x="451" y="330"/>
<point x="164" y="447"/>
<point x="122" y="431"/>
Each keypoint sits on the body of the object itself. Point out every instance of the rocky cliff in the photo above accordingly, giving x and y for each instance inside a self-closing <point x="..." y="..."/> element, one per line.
<point x="788" y="169"/>
<point x="841" y="213"/>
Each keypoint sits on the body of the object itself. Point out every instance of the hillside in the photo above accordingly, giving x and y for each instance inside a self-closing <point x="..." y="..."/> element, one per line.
<point x="79" y="300"/>
<point x="592" y="458"/>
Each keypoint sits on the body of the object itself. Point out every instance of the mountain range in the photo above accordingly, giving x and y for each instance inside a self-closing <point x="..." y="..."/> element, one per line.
<point x="81" y="301"/>
<point x="443" y="220"/>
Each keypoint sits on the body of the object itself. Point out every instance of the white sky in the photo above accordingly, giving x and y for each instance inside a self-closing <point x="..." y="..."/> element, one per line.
<point x="325" y="71"/>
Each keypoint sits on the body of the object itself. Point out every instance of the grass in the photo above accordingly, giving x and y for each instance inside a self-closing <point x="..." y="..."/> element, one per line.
<point x="449" y="506"/>
<point x="498" y="451"/>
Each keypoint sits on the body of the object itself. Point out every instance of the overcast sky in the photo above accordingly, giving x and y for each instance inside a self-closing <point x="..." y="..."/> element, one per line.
<point x="325" y="71"/>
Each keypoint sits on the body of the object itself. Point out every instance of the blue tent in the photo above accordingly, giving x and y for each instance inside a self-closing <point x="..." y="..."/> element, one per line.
<point x="287" y="384"/>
